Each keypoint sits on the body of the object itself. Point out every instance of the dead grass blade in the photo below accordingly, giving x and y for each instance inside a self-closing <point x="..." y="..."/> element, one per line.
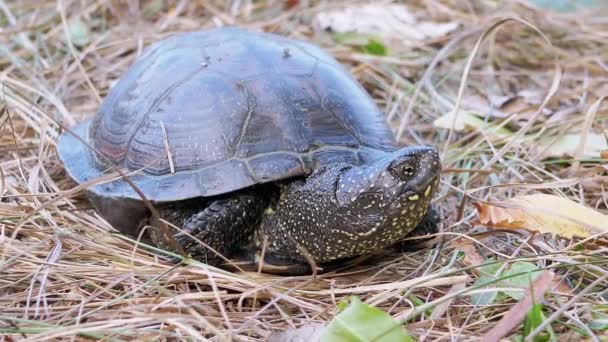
<point x="66" y="275"/>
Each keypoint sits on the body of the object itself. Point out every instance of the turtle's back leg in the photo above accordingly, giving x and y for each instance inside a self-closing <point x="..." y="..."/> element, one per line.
<point x="223" y="224"/>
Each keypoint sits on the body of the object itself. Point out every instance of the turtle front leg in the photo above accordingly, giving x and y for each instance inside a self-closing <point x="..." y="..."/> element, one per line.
<point x="223" y="224"/>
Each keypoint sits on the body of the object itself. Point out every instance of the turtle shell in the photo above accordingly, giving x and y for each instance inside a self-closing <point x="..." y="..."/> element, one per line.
<point x="209" y="112"/>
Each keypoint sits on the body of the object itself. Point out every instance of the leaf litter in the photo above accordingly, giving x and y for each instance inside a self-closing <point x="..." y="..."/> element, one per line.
<point x="65" y="273"/>
<point x="545" y="214"/>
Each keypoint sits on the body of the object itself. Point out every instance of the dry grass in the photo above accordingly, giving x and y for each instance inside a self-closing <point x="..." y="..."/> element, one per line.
<point x="65" y="273"/>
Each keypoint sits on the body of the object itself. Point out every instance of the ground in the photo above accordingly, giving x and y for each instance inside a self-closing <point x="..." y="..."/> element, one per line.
<point x="526" y="85"/>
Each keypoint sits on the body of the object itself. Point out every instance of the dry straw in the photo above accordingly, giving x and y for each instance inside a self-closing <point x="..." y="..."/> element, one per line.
<point x="65" y="273"/>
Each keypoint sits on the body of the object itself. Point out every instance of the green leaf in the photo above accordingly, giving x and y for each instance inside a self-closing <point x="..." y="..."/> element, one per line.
<point x="419" y="302"/>
<point x="375" y="47"/>
<point x="364" y="42"/>
<point x="79" y="32"/>
<point x="485" y="298"/>
<point x="361" y="322"/>
<point x="531" y="272"/>
<point x="342" y="305"/>
<point x="352" y="38"/>
<point x="520" y="274"/>
<point x="599" y="324"/>
<point x="599" y="317"/>
<point x="534" y="318"/>
<point x="517" y="338"/>
<point x="491" y="267"/>
<point x="488" y="273"/>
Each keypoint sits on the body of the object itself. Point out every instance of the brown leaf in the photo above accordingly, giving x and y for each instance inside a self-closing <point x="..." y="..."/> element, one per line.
<point x="471" y="255"/>
<point x="289" y="4"/>
<point x="545" y="214"/>
<point x="595" y="183"/>
<point x="560" y="285"/>
<point x="518" y="312"/>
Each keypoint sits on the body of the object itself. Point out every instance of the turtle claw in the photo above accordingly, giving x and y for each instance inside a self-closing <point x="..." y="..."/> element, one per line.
<point x="273" y="264"/>
<point x="279" y="266"/>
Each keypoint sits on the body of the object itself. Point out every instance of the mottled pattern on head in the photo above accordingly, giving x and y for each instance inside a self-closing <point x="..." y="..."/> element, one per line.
<point x="344" y="210"/>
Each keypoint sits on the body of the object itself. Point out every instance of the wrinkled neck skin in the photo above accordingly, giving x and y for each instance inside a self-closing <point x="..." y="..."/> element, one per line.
<point x="343" y="211"/>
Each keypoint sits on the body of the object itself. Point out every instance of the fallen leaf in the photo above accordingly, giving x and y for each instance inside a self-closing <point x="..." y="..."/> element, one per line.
<point x="545" y="214"/>
<point x="488" y="273"/>
<point x="599" y="315"/>
<point x="560" y="286"/>
<point x="388" y="21"/>
<point x="599" y="324"/>
<point x="289" y="4"/>
<point x="471" y="255"/>
<point x="366" y="43"/>
<point x="463" y="120"/>
<point x="487" y="106"/>
<point x="466" y="120"/>
<point x="518" y="312"/>
<point x="566" y="145"/>
<point x="305" y="333"/>
<point x="595" y="183"/>
<point x="521" y="274"/>
<point x="79" y="32"/>
<point x="362" y="322"/>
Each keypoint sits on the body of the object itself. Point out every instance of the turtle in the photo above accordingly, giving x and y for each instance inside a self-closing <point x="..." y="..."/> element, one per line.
<point x="249" y="139"/>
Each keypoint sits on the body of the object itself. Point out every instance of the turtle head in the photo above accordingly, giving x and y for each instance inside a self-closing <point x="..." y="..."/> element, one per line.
<point x="411" y="173"/>
<point x="392" y="193"/>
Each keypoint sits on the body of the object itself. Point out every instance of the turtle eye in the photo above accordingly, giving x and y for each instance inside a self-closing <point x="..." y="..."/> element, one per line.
<point x="407" y="170"/>
<point x="404" y="169"/>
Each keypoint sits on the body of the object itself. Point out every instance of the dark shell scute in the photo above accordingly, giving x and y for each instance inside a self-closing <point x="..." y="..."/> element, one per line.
<point x="266" y="167"/>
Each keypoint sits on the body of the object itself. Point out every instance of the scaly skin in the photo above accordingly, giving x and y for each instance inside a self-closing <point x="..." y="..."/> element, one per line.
<point x="344" y="211"/>
<point x="223" y="224"/>
<point x="340" y="211"/>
